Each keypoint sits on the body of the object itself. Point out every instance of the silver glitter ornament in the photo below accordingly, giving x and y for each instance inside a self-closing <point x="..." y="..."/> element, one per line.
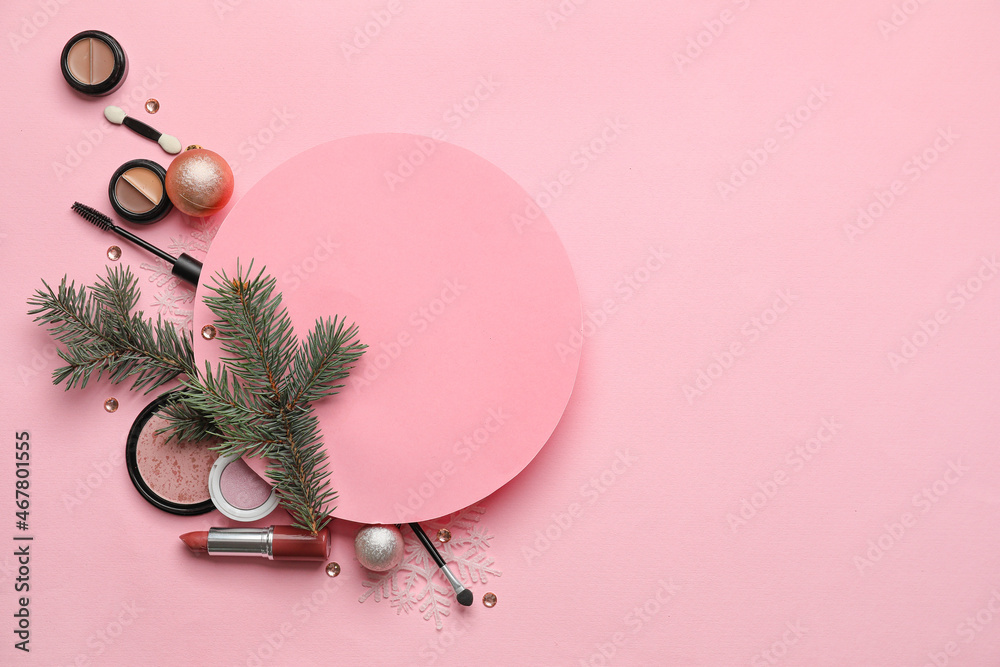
<point x="379" y="548"/>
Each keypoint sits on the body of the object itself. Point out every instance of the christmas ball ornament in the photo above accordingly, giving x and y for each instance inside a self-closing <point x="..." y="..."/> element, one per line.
<point x="199" y="182"/>
<point x="379" y="548"/>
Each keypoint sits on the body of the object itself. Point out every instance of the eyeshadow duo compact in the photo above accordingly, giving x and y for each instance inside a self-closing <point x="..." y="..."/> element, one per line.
<point x="138" y="192"/>
<point x="94" y="63"/>
<point x="188" y="478"/>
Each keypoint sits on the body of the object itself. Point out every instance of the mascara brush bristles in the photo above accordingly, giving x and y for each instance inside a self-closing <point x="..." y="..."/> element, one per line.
<point x="93" y="215"/>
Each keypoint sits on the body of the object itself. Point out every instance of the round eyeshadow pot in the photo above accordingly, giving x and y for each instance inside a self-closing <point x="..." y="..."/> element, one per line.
<point x="239" y="492"/>
<point x="170" y="475"/>
<point x="94" y="63"/>
<point x="138" y="192"/>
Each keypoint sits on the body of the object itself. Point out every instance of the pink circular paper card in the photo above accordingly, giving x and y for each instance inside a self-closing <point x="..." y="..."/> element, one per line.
<point x="464" y="311"/>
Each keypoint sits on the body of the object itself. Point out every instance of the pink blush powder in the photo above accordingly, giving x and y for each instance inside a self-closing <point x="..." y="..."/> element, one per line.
<point x="242" y="487"/>
<point x="175" y="471"/>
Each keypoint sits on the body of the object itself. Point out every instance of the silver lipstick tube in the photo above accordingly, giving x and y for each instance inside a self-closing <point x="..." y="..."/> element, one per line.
<point x="242" y="541"/>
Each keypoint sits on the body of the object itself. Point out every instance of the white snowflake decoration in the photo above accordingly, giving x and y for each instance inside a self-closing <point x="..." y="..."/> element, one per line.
<point x="172" y="303"/>
<point x="417" y="582"/>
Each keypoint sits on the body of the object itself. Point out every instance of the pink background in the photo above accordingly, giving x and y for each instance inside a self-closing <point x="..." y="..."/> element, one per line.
<point x="880" y="548"/>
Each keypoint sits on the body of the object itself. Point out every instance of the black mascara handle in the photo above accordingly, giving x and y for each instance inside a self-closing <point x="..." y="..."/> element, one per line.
<point x="187" y="268"/>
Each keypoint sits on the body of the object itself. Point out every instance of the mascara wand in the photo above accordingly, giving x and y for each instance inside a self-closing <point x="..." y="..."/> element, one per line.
<point x="185" y="267"/>
<point x="463" y="594"/>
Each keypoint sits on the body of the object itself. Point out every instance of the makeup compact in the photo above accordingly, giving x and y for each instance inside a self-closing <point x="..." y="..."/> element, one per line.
<point x="138" y="193"/>
<point x="239" y="492"/>
<point x="170" y="474"/>
<point x="94" y="63"/>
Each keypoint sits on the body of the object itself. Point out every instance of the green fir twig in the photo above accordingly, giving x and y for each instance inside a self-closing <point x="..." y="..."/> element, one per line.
<point x="256" y="402"/>
<point x="102" y="335"/>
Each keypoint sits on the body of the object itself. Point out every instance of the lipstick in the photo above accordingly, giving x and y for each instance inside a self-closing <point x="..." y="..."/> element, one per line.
<point x="273" y="543"/>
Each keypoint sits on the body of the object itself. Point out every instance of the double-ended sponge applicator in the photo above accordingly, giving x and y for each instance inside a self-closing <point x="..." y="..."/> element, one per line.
<point x="167" y="142"/>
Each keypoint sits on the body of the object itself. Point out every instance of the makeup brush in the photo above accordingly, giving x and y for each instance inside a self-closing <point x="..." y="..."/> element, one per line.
<point x="167" y="142"/>
<point x="185" y="267"/>
<point x="463" y="594"/>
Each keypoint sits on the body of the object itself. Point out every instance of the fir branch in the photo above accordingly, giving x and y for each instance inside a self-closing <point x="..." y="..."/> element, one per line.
<point x="264" y="409"/>
<point x="329" y="352"/>
<point x="257" y="338"/>
<point x="256" y="402"/>
<point x="102" y="336"/>
<point x="302" y="477"/>
<point x="187" y="423"/>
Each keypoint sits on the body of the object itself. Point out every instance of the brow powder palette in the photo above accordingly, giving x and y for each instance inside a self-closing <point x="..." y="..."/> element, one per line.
<point x="137" y="192"/>
<point x="94" y="63"/>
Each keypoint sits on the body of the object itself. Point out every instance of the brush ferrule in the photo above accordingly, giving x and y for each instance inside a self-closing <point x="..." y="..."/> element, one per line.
<point x="452" y="579"/>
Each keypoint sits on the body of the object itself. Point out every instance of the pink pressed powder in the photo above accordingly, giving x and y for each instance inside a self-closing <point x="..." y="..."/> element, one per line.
<point x="242" y="487"/>
<point x="176" y="471"/>
<point x="239" y="492"/>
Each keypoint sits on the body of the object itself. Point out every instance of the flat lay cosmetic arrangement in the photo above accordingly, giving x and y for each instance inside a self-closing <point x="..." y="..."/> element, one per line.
<point x="559" y="333"/>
